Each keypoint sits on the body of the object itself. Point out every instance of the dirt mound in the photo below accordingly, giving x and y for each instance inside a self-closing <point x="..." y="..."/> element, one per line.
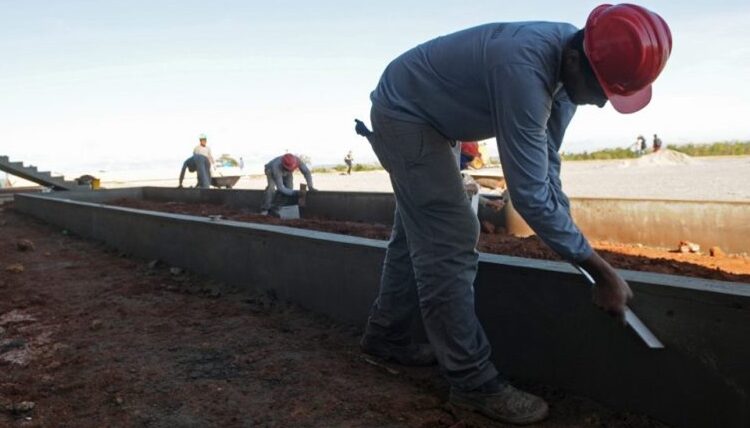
<point x="662" y="157"/>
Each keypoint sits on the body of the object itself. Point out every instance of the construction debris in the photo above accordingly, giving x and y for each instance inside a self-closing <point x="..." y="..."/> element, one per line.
<point x="689" y="247"/>
<point x="25" y="245"/>
<point x="22" y="407"/>
<point x="15" y="268"/>
<point x="96" y="325"/>
<point x="716" y="252"/>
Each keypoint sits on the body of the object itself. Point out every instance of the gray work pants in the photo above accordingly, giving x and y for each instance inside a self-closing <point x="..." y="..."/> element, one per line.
<point x="203" y="166"/>
<point x="431" y="261"/>
<point x="271" y="188"/>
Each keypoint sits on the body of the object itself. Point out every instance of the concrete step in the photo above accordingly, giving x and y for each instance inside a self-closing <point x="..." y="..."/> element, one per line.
<point x="32" y="173"/>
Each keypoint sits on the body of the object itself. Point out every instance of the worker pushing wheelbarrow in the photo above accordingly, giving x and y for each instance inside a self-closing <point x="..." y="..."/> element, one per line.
<point x="202" y="162"/>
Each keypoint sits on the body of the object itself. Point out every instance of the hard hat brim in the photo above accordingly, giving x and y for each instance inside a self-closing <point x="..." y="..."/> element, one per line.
<point x="630" y="103"/>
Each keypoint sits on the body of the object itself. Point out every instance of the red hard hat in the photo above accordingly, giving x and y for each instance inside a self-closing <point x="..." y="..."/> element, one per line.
<point x="627" y="46"/>
<point x="470" y="148"/>
<point x="289" y="162"/>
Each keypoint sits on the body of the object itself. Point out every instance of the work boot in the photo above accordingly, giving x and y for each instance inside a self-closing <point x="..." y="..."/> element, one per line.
<point x="502" y="402"/>
<point x="408" y="354"/>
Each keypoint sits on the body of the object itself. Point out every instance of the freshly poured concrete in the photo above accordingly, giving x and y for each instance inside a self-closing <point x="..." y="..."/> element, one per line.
<point x="537" y="314"/>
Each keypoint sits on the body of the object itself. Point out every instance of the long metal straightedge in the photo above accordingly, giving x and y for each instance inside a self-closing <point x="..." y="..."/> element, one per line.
<point x="631" y="319"/>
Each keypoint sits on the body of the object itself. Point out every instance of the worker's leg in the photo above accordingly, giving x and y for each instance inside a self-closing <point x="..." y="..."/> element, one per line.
<point x="387" y="334"/>
<point x="394" y="309"/>
<point x="441" y="232"/>
<point x="203" y="167"/>
<point x="270" y="192"/>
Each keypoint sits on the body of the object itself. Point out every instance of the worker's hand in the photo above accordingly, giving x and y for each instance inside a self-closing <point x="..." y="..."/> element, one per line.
<point x="361" y="129"/>
<point x="495" y="204"/>
<point x="471" y="188"/>
<point x="611" y="293"/>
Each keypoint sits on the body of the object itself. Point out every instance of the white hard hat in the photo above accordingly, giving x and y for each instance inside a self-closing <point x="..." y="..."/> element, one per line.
<point x="202" y="137"/>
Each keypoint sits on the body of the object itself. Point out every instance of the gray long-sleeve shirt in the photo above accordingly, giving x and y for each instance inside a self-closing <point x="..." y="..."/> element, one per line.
<point x="498" y="80"/>
<point x="278" y="172"/>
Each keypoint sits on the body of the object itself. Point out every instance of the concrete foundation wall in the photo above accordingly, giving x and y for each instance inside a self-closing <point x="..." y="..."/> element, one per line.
<point x="648" y="222"/>
<point x="99" y="196"/>
<point x="665" y="223"/>
<point x="537" y="314"/>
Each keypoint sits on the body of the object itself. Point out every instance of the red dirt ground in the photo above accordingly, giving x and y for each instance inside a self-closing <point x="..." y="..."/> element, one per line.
<point x="634" y="257"/>
<point x="97" y="339"/>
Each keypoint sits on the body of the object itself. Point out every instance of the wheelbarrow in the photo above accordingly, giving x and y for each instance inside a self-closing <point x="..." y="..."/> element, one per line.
<point x="225" y="181"/>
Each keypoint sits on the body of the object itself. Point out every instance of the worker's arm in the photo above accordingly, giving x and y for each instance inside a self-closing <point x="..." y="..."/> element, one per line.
<point x="524" y="121"/>
<point x="308" y="177"/>
<point x="522" y="107"/>
<point x="561" y="114"/>
<point x="182" y="172"/>
<point x="210" y="158"/>
<point x="613" y="291"/>
<point x="279" y="180"/>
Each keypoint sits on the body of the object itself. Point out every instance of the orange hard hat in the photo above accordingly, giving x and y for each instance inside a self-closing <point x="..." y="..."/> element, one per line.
<point x="289" y="162"/>
<point x="627" y="46"/>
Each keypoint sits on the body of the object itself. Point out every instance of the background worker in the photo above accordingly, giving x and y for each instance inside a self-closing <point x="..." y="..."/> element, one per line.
<point x="520" y="83"/>
<point x="657" y="143"/>
<point x="202" y="165"/>
<point x="203" y="149"/>
<point x="349" y="160"/>
<point x="469" y="152"/>
<point x="641" y="145"/>
<point x="279" y="173"/>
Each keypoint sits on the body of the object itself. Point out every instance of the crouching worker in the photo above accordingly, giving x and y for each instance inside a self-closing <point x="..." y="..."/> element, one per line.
<point x="470" y="152"/>
<point x="202" y="165"/>
<point x="279" y="173"/>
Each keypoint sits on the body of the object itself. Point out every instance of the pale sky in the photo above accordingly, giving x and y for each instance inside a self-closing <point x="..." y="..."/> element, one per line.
<point x="105" y="85"/>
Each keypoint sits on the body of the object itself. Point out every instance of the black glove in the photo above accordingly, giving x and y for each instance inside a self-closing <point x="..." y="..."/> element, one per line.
<point x="361" y="129"/>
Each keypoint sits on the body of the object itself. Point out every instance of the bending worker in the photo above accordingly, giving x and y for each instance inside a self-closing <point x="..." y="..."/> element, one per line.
<point x="201" y="161"/>
<point x="520" y="83"/>
<point x="202" y="165"/>
<point x="279" y="173"/>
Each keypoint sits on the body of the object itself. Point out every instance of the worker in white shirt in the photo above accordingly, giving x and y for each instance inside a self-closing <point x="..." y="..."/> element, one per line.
<point x="203" y="161"/>
<point x="203" y="149"/>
